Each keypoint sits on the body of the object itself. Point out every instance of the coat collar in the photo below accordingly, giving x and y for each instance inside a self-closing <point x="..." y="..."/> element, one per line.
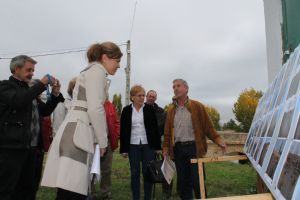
<point x="98" y="64"/>
<point x="187" y="104"/>
<point x="132" y="107"/>
<point x="17" y="81"/>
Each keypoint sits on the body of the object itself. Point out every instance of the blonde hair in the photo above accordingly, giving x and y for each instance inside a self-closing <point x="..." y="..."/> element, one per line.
<point x="97" y="50"/>
<point x="136" y="89"/>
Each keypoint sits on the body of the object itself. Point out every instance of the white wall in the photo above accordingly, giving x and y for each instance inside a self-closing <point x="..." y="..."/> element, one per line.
<point x="273" y="21"/>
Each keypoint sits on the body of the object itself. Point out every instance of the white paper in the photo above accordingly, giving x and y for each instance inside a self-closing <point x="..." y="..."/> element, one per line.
<point x="95" y="169"/>
<point x="168" y="169"/>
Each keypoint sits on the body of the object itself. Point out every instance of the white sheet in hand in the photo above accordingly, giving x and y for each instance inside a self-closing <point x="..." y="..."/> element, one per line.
<point x="168" y="169"/>
<point x="95" y="169"/>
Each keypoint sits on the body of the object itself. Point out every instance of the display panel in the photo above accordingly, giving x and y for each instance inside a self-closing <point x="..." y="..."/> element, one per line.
<point x="273" y="143"/>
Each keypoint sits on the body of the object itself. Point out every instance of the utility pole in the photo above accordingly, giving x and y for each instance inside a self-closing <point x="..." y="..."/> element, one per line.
<point x="127" y="71"/>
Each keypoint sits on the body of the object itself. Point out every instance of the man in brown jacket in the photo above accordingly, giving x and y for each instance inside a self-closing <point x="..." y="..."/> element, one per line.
<point x="186" y="128"/>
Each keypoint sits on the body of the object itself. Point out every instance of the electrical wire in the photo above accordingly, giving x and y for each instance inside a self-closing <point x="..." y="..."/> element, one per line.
<point x="42" y="52"/>
<point x="132" y="22"/>
<point x="48" y="53"/>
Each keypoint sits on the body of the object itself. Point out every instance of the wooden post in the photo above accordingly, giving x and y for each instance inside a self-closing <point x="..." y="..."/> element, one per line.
<point x="201" y="180"/>
<point x="127" y="71"/>
<point x="260" y="185"/>
<point x="201" y="161"/>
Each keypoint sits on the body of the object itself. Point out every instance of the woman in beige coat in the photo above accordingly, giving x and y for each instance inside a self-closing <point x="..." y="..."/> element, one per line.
<point x="68" y="163"/>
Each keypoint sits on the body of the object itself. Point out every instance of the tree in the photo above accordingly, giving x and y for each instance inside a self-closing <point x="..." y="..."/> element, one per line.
<point x="214" y="116"/>
<point x="231" y="125"/>
<point x="245" y="106"/>
<point x="117" y="101"/>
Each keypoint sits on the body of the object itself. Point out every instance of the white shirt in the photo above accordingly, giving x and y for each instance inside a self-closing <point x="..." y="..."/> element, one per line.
<point x="138" y="131"/>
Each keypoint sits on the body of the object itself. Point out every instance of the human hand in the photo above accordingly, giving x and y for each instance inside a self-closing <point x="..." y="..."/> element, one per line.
<point x="47" y="79"/>
<point x="125" y="155"/>
<point x="102" y="151"/>
<point x="165" y="154"/>
<point x="56" y="87"/>
<point x="223" y="146"/>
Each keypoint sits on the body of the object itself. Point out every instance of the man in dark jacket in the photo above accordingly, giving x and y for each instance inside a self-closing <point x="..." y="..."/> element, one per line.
<point x="160" y="116"/>
<point x="20" y="140"/>
<point x="159" y="112"/>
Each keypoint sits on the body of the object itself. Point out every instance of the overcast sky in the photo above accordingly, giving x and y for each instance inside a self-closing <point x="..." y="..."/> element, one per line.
<point x="218" y="46"/>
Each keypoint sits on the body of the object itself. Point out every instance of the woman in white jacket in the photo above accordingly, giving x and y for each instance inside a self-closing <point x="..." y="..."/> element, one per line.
<point x="68" y="163"/>
<point x="61" y="110"/>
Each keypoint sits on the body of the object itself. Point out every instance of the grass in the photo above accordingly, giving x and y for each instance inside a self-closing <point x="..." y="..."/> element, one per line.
<point x="229" y="179"/>
<point x="222" y="179"/>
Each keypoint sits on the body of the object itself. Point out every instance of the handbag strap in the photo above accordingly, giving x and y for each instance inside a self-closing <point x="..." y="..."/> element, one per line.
<point x="158" y="156"/>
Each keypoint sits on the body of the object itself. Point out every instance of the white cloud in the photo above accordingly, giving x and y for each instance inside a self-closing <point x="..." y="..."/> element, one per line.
<point x="217" y="46"/>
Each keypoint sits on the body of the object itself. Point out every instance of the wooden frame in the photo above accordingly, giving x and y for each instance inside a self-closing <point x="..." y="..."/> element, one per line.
<point x="200" y="163"/>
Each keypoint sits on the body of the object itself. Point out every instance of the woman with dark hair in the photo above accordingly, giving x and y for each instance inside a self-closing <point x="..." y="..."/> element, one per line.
<point x="68" y="163"/>
<point x="139" y="139"/>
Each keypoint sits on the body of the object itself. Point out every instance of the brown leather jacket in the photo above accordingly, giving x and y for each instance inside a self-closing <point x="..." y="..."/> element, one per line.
<point x="202" y="126"/>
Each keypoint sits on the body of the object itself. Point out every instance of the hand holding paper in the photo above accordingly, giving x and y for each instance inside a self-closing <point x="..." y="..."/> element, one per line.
<point x="95" y="169"/>
<point x="168" y="169"/>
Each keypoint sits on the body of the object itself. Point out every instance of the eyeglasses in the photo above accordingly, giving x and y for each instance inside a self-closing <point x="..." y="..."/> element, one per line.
<point x="140" y="95"/>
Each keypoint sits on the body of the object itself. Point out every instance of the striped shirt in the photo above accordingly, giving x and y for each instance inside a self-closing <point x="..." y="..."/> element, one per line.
<point x="183" y="127"/>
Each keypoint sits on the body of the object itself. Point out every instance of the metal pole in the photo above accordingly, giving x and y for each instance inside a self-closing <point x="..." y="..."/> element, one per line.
<point x="127" y="71"/>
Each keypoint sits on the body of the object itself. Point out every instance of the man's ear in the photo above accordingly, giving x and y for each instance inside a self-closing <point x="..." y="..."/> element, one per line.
<point x="17" y="70"/>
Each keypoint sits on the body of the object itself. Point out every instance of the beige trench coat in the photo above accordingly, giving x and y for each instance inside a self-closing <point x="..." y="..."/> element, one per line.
<point x="69" y="157"/>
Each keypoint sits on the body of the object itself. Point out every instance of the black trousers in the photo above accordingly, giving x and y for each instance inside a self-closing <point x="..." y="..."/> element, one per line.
<point x="167" y="189"/>
<point x="20" y="173"/>
<point x="68" y="195"/>
<point x="140" y="154"/>
<point x="187" y="173"/>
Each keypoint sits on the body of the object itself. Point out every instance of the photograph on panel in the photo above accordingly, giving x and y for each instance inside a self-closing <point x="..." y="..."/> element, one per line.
<point x="277" y="151"/>
<point x="290" y="172"/>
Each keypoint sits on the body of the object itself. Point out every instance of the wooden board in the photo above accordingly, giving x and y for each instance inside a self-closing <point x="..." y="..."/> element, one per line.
<point x="219" y="159"/>
<point x="266" y="196"/>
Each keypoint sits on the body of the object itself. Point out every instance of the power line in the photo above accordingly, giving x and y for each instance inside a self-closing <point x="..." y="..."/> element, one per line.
<point x="132" y="22"/>
<point x="45" y="53"/>
<point x="48" y="54"/>
<point x="42" y="52"/>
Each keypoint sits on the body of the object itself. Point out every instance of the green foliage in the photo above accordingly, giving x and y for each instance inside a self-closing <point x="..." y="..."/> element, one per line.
<point x="117" y="101"/>
<point x="244" y="108"/>
<point x="214" y="116"/>
<point x="231" y="125"/>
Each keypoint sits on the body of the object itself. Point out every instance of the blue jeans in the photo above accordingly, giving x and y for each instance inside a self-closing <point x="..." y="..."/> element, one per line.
<point x="137" y="154"/>
<point x="187" y="173"/>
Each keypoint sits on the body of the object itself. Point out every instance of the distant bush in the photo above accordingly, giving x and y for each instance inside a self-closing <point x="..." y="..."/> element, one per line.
<point x="214" y="116"/>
